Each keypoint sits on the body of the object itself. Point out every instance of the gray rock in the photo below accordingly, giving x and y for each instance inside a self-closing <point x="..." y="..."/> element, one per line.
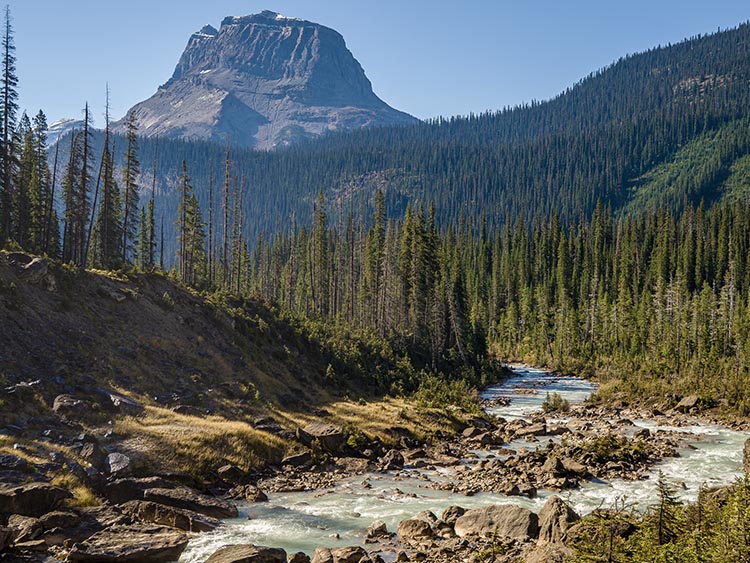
<point x="687" y="403"/>
<point x="350" y="554"/>
<point x="69" y="406"/>
<point x="189" y="499"/>
<point x="322" y="555"/>
<point x="506" y="520"/>
<point x="554" y="520"/>
<point x="451" y="514"/>
<point x="119" y="403"/>
<point x="231" y="474"/>
<point x="264" y="80"/>
<point x="299" y="557"/>
<point x="391" y="461"/>
<point x="247" y="553"/>
<point x="32" y="499"/>
<point x="93" y="454"/>
<point x="117" y="465"/>
<point x="415" y="529"/>
<point x="131" y="544"/>
<point x="377" y="529"/>
<point x="14" y="463"/>
<point x="123" y="490"/>
<point x="330" y="438"/>
<point x="154" y="513"/>
<point x="297" y="460"/>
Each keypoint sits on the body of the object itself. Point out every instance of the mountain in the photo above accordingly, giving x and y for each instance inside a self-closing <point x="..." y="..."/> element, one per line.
<point x="62" y="127"/>
<point x="263" y="81"/>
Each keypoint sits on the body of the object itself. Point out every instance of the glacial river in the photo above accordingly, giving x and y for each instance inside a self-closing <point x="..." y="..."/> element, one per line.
<point x="340" y="515"/>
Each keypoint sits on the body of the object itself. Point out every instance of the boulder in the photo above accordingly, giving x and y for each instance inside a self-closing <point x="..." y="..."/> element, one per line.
<point x="377" y="529"/>
<point x="536" y="429"/>
<point x="32" y="499"/>
<point x="69" y="406"/>
<point x="154" y="513"/>
<point x="687" y="403"/>
<point x="231" y="474"/>
<point x="330" y="438"/>
<point x="123" y="490"/>
<point x="555" y="518"/>
<point x="297" y="460"/>
<point x="553" y="467"/>
<point x="250" y="493"/>
<point x="247" y="553"/>
<point x="136" y="543"/>
<point x="6" y="536"/>
<point x="506" y="520"/>
<point x="299" y="557"/>
<point x="322" y="555"/>
<point x="24" y="528"/>
<point x="190" y="499"/>
<point x="548" y="553"/>
<point x="391" y="461"/>
<point x="116" y="402"/>
<point x="13" y="463"/>
<point x="117" y="465"/>
<point x="451" y="514"/>
<point x="415" y="529"/>
<point x="350" y="554"/>
<point x="93" y="454"/>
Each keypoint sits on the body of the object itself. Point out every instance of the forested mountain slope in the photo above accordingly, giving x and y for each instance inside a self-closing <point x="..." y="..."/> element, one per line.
<point x="664" y="127"/>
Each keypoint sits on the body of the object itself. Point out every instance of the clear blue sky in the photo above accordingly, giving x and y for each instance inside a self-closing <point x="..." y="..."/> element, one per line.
<point x="426" y="57"/>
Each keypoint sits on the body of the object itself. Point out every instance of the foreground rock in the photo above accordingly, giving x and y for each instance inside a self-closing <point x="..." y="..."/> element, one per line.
<point x="33" y="499"/>
<point x="154" y="513"/>
<point x="131" y="544"/>
<point x="247" y="553"/>
<point x="502" y="520"/>
<point x="555" y="518"/>
<point x="189" y="499"/>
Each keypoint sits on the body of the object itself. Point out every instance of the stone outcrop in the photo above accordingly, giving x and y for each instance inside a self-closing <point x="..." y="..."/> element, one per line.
<point x="32" y="499"/>
<point x="264" y="80"/>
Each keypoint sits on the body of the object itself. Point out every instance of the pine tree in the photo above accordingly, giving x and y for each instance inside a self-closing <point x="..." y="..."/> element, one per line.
<point x="8" y="110"/>
<point x="130" y="196"/>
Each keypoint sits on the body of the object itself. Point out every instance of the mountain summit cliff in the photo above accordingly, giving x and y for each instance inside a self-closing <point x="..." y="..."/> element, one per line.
<point x="264" y="80"/>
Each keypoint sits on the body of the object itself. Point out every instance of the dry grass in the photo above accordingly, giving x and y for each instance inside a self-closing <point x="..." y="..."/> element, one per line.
<point x="388" y="419"/>
<point x="82" y="494"/>
<point x="163" y="440"/>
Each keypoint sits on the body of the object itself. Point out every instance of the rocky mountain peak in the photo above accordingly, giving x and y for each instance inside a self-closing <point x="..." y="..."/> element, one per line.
<point x="264" y="80"/>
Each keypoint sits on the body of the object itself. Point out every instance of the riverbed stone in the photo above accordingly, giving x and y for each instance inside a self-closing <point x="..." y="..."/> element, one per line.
<point x="687" y="403"/>
<point x="154" y="513"/>
<point x="507" y="520"/>
<point x="415" y="529"/>
<point x="190" y="499"/>
<point x="247" y="553"/>
<point x="322" y="555"/>
<point x="131" y="544"/>
<point x="330" y="437"/>
<point x="555" y="517"/>
<point x="299" y="557"/>
<point x="350" y="554"/>
<point x="377" y="529"/>
<point x="117" y="465"/>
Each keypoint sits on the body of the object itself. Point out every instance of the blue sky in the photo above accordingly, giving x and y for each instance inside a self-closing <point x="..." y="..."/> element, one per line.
<point x="426" y="57"/>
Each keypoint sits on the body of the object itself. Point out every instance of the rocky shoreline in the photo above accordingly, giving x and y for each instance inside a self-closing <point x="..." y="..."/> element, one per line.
<point x="151" y="518"/>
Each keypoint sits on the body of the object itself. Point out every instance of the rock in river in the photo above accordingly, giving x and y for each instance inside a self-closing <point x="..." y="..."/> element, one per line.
<point x="506" y="520"/>
<point x="247" y="553"/>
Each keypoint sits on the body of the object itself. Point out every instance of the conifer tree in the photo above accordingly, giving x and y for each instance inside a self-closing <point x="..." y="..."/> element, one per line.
<point x="130" y="188"/>
<point x="8" y="110"/>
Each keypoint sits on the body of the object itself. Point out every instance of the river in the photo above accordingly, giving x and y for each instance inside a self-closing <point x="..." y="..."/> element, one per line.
<point x="340" y="515"/>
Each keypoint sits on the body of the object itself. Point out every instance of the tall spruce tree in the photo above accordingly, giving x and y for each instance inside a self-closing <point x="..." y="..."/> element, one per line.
<point x="130" y="175"/>
<point x="8" y="111"/>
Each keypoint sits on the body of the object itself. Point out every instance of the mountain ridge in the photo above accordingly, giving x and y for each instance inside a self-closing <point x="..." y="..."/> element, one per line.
<point x="263" y="80"/>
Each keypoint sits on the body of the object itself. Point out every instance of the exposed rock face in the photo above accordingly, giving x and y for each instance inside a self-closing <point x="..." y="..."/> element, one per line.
<point x="330" y="438"/>
<point x="264" y="80"/>
<point x="154" y="513"/>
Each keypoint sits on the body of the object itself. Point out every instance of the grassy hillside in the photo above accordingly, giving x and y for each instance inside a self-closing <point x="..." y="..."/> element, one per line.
<point x="206" y="370"/>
